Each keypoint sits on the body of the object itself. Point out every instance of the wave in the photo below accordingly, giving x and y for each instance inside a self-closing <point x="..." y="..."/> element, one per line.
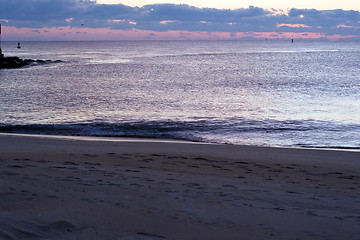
<point x="293" y="133"/>
<point x="166" y="130"/>
<point x="329" y="147"/>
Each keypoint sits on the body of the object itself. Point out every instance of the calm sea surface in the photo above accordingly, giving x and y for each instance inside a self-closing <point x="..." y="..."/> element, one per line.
<point x="268" y="93"/>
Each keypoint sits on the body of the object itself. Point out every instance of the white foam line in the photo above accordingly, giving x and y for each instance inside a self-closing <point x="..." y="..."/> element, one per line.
<point x="105" y="139"/>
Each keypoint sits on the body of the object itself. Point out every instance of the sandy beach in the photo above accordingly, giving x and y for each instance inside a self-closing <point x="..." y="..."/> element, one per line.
<point x="98" y="188"/>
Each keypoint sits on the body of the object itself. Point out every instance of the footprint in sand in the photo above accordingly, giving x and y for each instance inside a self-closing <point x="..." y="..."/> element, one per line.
<point x="92" y="164"/>
<point x="90" y="155"/>
<point x="70" y="163"/>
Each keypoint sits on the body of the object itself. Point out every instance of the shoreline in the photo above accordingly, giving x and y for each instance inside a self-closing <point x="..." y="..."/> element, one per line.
<point x="58" y="187"/>
<point x="160" y="140"/>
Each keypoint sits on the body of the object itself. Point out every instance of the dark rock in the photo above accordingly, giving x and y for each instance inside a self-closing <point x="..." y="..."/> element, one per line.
<point x="16" y="62"/>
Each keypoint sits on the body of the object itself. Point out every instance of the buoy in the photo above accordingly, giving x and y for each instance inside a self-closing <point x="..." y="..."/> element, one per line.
<point x="18" y="45"/>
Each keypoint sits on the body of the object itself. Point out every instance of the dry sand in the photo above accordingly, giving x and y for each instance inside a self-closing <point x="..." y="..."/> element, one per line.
<point x="76" y="188"/>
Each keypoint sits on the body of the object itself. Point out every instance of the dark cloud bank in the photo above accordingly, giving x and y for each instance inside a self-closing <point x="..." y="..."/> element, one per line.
<point x="164" y="17"/>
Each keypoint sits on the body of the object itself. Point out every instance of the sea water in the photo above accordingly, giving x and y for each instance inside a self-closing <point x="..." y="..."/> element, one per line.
<point x="263" y="92"/>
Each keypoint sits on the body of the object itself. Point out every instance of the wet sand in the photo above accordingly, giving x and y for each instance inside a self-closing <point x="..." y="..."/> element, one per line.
<point x="97" y="188"/>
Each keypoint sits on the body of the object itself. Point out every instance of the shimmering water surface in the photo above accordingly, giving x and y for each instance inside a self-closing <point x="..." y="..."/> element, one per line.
<point x="272" y="93"/>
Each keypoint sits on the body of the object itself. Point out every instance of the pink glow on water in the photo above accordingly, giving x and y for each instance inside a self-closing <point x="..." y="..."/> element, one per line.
<point x="94" y="34"/>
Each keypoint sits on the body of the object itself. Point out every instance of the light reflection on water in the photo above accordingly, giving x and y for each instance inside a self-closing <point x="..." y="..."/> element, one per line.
<point x="232" y="85"/>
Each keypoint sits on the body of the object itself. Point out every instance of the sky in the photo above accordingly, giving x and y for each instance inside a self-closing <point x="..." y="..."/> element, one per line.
<point x="178" y="19"/>
<point x="234" y="4"/>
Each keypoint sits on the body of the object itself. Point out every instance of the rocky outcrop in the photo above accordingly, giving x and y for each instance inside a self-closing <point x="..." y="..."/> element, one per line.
<point x="16" y="62"/>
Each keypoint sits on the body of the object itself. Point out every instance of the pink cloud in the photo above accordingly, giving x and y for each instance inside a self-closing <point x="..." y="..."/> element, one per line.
<point x="167" y="21"/>
<point x="346" y="26"/>
<point x="69" y="19"/>
<point x="117" y="20"/>
<point x="293" y="25"/>
<point x="98" y="34"/>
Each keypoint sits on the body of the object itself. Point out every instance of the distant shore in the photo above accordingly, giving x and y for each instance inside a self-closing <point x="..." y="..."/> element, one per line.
<point x="55" y="187"/>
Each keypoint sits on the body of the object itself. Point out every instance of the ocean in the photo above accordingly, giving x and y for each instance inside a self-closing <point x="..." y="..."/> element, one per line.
<point x="304" y="94"/>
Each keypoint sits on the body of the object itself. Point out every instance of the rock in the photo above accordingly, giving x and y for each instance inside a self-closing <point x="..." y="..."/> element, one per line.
<point x="16" y="62"/>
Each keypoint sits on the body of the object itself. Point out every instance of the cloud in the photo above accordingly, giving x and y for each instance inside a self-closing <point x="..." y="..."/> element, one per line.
<point x="293" y="25"/>
<point x="174" y="17"/>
